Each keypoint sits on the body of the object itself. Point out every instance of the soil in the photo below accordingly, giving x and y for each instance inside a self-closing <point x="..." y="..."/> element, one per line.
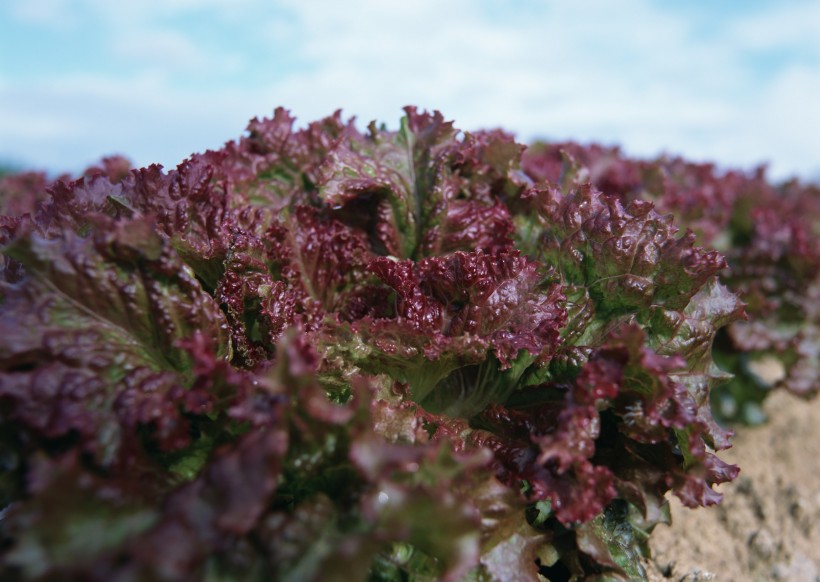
<point x="768" y="526"/>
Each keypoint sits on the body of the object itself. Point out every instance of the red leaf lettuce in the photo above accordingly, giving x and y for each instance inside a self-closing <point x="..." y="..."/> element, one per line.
<point x="322" y="354"/>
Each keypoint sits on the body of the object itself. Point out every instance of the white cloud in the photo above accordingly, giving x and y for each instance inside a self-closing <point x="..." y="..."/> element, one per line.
<point x="69" y="123"/>
<point x="790" y="121"/>
<point x="793" y="25"/>
<point x="170" y="51"/>
<point x="54" y="14"/>
<point x="167" y="47"/>
<point x="633" y="74"/>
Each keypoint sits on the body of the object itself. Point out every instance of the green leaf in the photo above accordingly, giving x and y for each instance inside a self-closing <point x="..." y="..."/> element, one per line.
<point x="615" y="543"/>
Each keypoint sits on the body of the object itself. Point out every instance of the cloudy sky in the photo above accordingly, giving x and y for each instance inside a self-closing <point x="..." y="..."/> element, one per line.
<point x="736" y="81"/>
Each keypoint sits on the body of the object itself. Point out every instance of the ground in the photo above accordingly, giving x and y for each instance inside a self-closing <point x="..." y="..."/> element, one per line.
<point x="768" y="526"/>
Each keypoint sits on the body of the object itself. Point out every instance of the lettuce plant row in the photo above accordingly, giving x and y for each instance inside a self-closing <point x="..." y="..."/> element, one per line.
<point x="769" y="237"/>
<point x="422" y="354"/>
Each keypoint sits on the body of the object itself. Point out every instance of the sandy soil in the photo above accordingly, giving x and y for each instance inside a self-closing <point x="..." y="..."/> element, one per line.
<point x="768" y="526"/>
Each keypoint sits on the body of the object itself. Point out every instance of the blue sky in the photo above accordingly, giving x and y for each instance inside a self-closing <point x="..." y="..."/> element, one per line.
<point x="737" y="82"/>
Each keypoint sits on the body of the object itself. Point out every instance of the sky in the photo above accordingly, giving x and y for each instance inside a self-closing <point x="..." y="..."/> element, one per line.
<point x="736" y="82"/>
